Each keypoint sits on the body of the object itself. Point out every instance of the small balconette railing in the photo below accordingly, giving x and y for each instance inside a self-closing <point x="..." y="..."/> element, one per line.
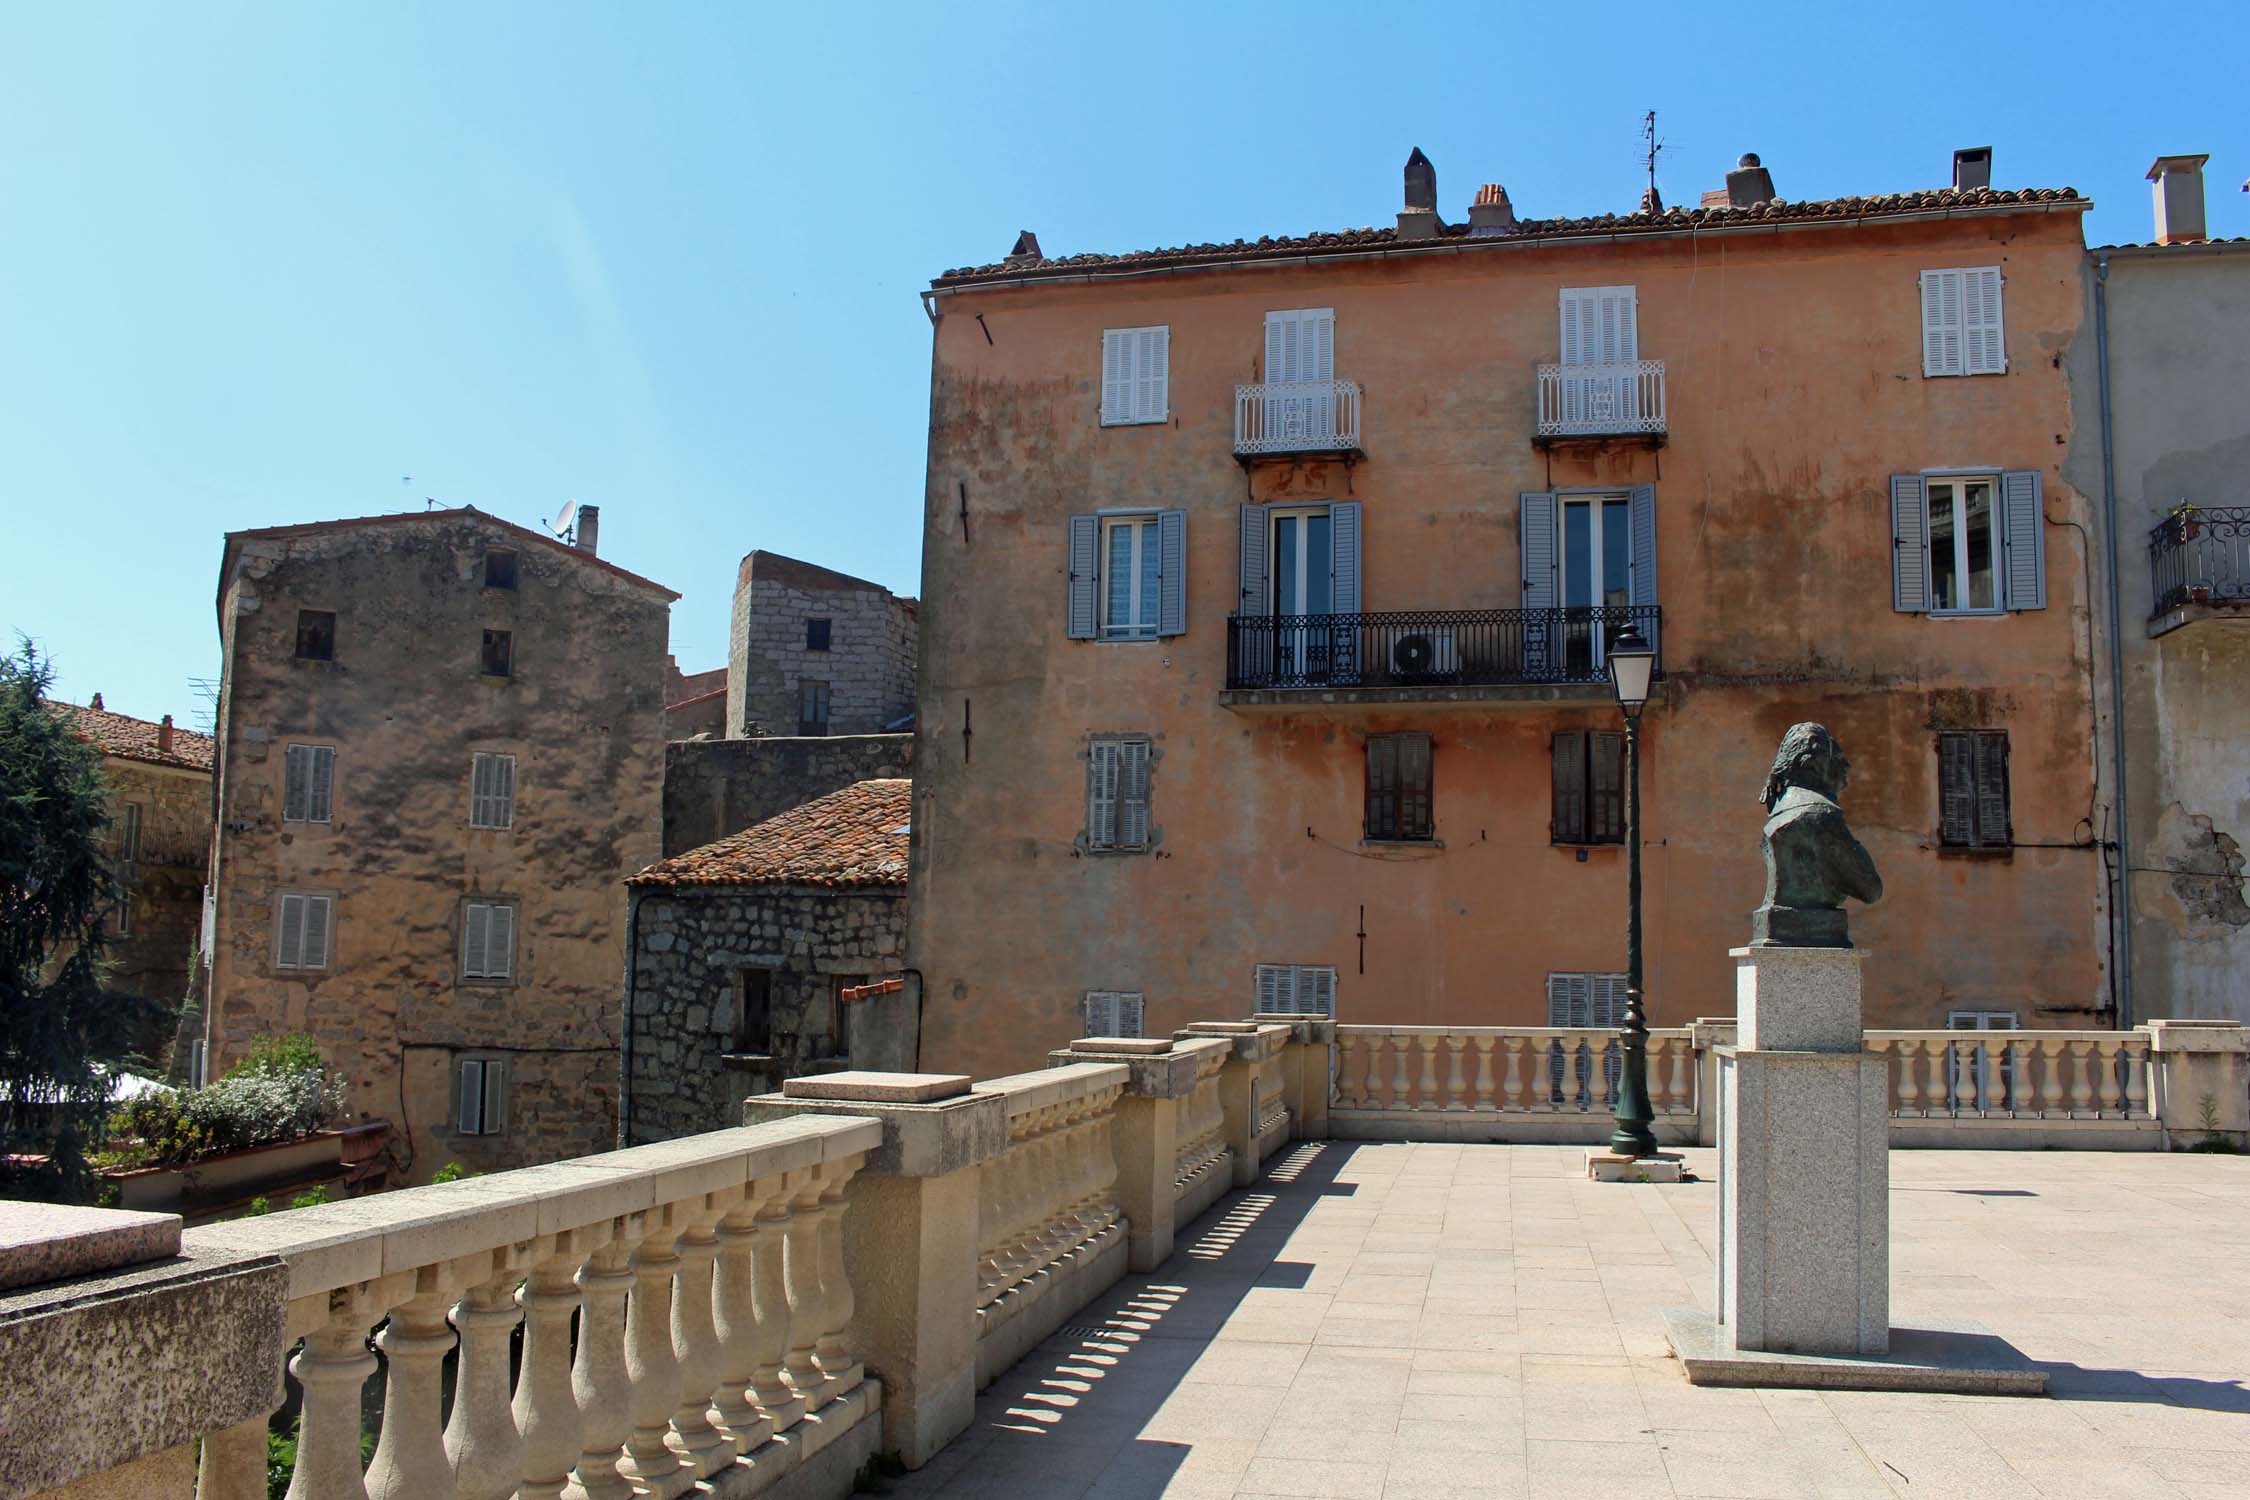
<point x="2200" y="555"/>
<point x="1621" y="398"/>
<point x="1304" y="416"/>
<point x="1428" y="648"/>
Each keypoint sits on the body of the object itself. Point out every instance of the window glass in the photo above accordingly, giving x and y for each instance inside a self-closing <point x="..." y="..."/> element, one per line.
<point x="1617" y="554"/>
<point x="1120" y="615"/>
<point x="1151" y="571"/>
<point x="1976" y="511"/>
<point x="1945" y="583"/>
<point x="1578" y="555"/>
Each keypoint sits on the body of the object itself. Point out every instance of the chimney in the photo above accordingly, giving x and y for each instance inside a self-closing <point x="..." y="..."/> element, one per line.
<point x="1492" y="213"/>
<point x="1027" y="248"/>
<point x="589" y="529"/>
<point x="1749" y="183"/>
<point x="96" y="705"/>
<point x="1418" y="220"/>
<point x="2179" y="198"/>
<point x="1972" y="169"/>
<point x="164" y="735"/>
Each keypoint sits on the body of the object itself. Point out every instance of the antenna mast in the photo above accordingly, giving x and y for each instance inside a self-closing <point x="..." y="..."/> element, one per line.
<point x="1651" y="201"/>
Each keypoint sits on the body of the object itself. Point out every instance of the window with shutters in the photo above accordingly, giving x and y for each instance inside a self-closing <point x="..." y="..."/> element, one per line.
<point x="1962" y="327"/>
<point x="304" y="922"/>
<point x="499" y="653"/>
<point x="812" y="706"/>
<point x="1589" y="787"/>
<point x="308" y="784"/>
<point x="480" y="1096"/>
<point x="1136" y="375"/>
<point x="499" y="569"/>
<point x="753" y="1012"/>
<point x="316" y="635"/>
<point x="1399" y="793"/>
<point x="492" y="790"/>
<point x="121" y="924"/>
<point x="1973" y="789"/>
<point x="129" y="838"/>
<point x="488" y="940"/>
<point x="1295" y="989"/>
<point x="1965" y="543"/>
<point x="1110" y="1013"/>
<point x="1128" y="576"/>
<point x="1117" y="794"/>
<point x="1591" y="1002"/>
<point x="1131" y="570"/>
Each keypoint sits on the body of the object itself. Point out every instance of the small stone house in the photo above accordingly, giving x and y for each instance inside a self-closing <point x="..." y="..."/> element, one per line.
<point x="767" y="954"/>
<point x="816" y="652"/>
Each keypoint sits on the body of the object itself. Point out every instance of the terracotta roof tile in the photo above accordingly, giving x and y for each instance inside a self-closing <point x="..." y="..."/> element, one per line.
<point x="1667" y="221"/>
<point x="853" y="837"/>
<point x="129" y="738"/>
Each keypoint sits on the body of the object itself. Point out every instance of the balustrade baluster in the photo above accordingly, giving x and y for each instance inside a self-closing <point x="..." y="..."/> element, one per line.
<point x="654" y="1368"/>
<point x="1350" y="1092"/>
<point x="1456" y="1086"/>
<point x="777" y="1402"/>
<point x="2106" y="1053"/>
<point x="2050" y="1083"/>
<point x="2082" y="1078"/>
<point x="801" y="1267"/>
<point x="600" y="1379"/>
<point x="1968" y="1075"/>
<point x="332" y="1370"/>
<point x="1511" y="1083"/>
<point x="409" y="1461"/>
<point x="2016" y="1079"/>
<point x="1425" y="1087"/>
<point x="1371" y="1086"/>
<point x="1681" y="1093"/>
<point x="695" y="1343"/>
<point x="841" y="1370"/>
<point x="1598" y="1071"/>
<point x="1401" y="1097"/>
<point x="1909" y="1051"/>
<point x="2136" y="1080"/>
<point x="1938" y="1093"/>
<point x="546" y="1410"/>
<point x="734" y="1312"/>
<point x="482" y="1445"/>
<point x="1484" y="1072"/>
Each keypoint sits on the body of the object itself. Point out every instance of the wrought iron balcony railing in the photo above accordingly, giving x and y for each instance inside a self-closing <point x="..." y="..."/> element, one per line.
<point x="1429" y="648"/>
<point x="1598" y="400"/>
<point x="2201" y="555"/>
<point x="1301" y="416"/>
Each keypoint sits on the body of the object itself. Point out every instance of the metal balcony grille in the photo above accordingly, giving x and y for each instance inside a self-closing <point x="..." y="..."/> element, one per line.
<point x="2201" y="556"/>
<point x="1595" y="400"/>
<point x="1433" y="648"/>
<point x="1303" y="416"/>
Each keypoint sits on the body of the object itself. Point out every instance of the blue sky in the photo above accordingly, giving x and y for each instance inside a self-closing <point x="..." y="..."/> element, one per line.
<point x="259" y="264"/>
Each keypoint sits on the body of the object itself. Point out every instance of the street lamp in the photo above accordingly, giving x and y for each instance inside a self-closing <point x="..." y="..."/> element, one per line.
<point x="1632" y="662"/>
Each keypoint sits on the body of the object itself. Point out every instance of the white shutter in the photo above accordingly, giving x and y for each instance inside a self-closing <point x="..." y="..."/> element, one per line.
<point x="1132" y="794"/>
<point x="492" y="791"/>
<point x="1316" y="991"/>
<point x="1274" y="988"/>
<point x="1301" y="345"/>
<point x="1943" y="351"/>
<point x="1129" y="1009"/>
<point x="1600" y="324"/>
<point x="500" y="944"/>
<point x="1117" y="386"/>
<point x="1569" y="1000"/>
<point x="1097" y="1011"/>
<point x="289" y="942"/>
<point x="1101" y="794"/>
<point x="495" y="1095"/>
<point x="293" y="784"/>
<point x="317" y="909"/>
<point x="476" y="938"/>
<point x="468" y="1097"/>
<point x="320" y="783"/>
<point x="1136" y="375"/>
<point x="1984" y="342"/>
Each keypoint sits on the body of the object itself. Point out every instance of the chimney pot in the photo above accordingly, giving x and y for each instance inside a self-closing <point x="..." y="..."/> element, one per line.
<point x="1421" y="183"/>
<point x="1027" y="247"/>
<point x="590" y="529"/>
<point x="164" y="734"/>
<point x="2179" y="198"/>
<point x="1492" y="213"/>
<point x="97" y="704"/>
<point x="1749" y="183"/>
<point x="1972" y="169"/>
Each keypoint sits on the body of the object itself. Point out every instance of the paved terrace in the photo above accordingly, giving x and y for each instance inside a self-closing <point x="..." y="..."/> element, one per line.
<point x="1389" y="1322"/>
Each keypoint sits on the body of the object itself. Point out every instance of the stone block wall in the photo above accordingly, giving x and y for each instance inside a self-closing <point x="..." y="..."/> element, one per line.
<point x="868" y="663"/>
<point x="166" y="881"/>
<point x="681" y="1075"/>
<point x="716" y="787"/>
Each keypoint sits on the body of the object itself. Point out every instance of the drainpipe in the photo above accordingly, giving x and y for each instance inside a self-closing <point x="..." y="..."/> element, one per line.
<point x="2123" y="904"/>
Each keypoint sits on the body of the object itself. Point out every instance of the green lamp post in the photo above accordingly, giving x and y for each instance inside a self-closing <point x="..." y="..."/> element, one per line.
<point x="1632" y="662"/>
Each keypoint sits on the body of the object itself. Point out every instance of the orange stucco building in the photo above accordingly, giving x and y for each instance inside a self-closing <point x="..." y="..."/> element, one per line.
<point x="1266" y="588"/>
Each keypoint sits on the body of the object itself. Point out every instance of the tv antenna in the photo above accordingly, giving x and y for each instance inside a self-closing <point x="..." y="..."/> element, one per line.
<point x="565" y="523"/>
<point x="1651" y="149"/>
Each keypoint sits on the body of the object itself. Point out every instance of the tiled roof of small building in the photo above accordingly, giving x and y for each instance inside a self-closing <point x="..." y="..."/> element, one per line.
<point x="129" y="738"/>
<point x="1777" y="211"/>
<point x="854" y="837"/>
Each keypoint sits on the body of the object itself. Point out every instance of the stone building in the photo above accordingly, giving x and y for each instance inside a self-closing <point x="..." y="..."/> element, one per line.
<point x="715" y="787"/>
<point x="816" y="652"/>
<point x="770" y="953"/>
<point x="2165" y="434"/>
<point x="440" y="747"/>
<point x="695" y="704"/>
<point x="1271" y="669"/>
<point x="159" y="836"/>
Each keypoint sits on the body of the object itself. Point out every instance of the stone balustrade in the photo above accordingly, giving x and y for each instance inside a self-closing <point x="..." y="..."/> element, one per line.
<point x="1529" y="1083"/>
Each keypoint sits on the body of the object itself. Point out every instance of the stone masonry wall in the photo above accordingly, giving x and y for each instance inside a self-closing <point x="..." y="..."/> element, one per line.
<point x="868" y="666"/>
<point x="166" y="882"/>
<point x="680" y="1076"/>
<point x="716" y="787"/>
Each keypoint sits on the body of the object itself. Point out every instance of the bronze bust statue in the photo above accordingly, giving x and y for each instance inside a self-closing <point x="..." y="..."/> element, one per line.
<point x="1812" y="860"/>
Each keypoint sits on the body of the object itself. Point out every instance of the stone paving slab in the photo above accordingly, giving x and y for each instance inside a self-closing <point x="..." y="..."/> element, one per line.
<point x="1398" y="1321"/>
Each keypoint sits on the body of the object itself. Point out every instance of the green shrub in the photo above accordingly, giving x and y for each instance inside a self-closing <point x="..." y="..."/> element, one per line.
<point x="452" y="1171"/>
<point x="281" y="1091"/>
<point x="274" y="1056"/>
<point x="313" y="1197"/>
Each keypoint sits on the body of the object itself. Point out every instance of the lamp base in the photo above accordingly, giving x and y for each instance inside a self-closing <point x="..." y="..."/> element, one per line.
<point x="1608" y="1166"/>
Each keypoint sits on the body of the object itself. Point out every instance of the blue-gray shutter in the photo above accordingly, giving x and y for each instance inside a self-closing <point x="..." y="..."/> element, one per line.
<point x="1254" y="597"/>
<point x="1344" y="573"/>
<point x="1535" y="542"/>
<point x="1171" y="545"/>
<point x="1910" y="544"/>
<point x="1642" y="515"/>
<point x="1082" y="618"/>
<point x="2023" y="539"/>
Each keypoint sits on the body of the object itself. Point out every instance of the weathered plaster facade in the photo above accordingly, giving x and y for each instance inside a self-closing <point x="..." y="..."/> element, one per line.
<point x="405" y="704"/>
<point x="716" y="787"/>
<point x="2180" y="433"/>
<point x="1795" y="389"/>
<point x="867" y="661"/>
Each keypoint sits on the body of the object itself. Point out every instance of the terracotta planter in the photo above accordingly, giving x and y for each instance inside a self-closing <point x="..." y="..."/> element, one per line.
<point x="284" y="1168"/>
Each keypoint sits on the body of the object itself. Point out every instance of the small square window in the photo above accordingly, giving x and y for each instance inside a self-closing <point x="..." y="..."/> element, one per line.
<point x="816" y="635"/>
<point x="1117" y="794"/>
<point x="316" y="635"/>
<point x="1398" y="788"/>
<point x="480" y="1096"/>
<point x="812" y="707"/>
<point x="308" y="784"/>
<point x="302" y="923"/>
<point x="499" y="653"/>
<point x="499" y="569"/>
<point x="488" y="940"/>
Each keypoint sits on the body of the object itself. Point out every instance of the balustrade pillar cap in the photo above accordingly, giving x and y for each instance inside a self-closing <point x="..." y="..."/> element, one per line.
<point x="931" y="1139"/>
<point x="879" y="1088"/>
<point x="1119" y="1046"/>
<point x="2198" y="1036"/>
<point x="1166" y="1074"/>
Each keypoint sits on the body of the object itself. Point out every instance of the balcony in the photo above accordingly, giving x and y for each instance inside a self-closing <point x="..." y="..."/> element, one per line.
<point x="1297" y="419"/>
<point x="1426" y="656"/>
<point x="1593" y="402"/>
<point x="1153" y="1257"/>
<point x="2199" y="565"/>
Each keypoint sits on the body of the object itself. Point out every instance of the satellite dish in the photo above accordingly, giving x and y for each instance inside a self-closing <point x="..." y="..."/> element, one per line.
<point x="564" y="519"/>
